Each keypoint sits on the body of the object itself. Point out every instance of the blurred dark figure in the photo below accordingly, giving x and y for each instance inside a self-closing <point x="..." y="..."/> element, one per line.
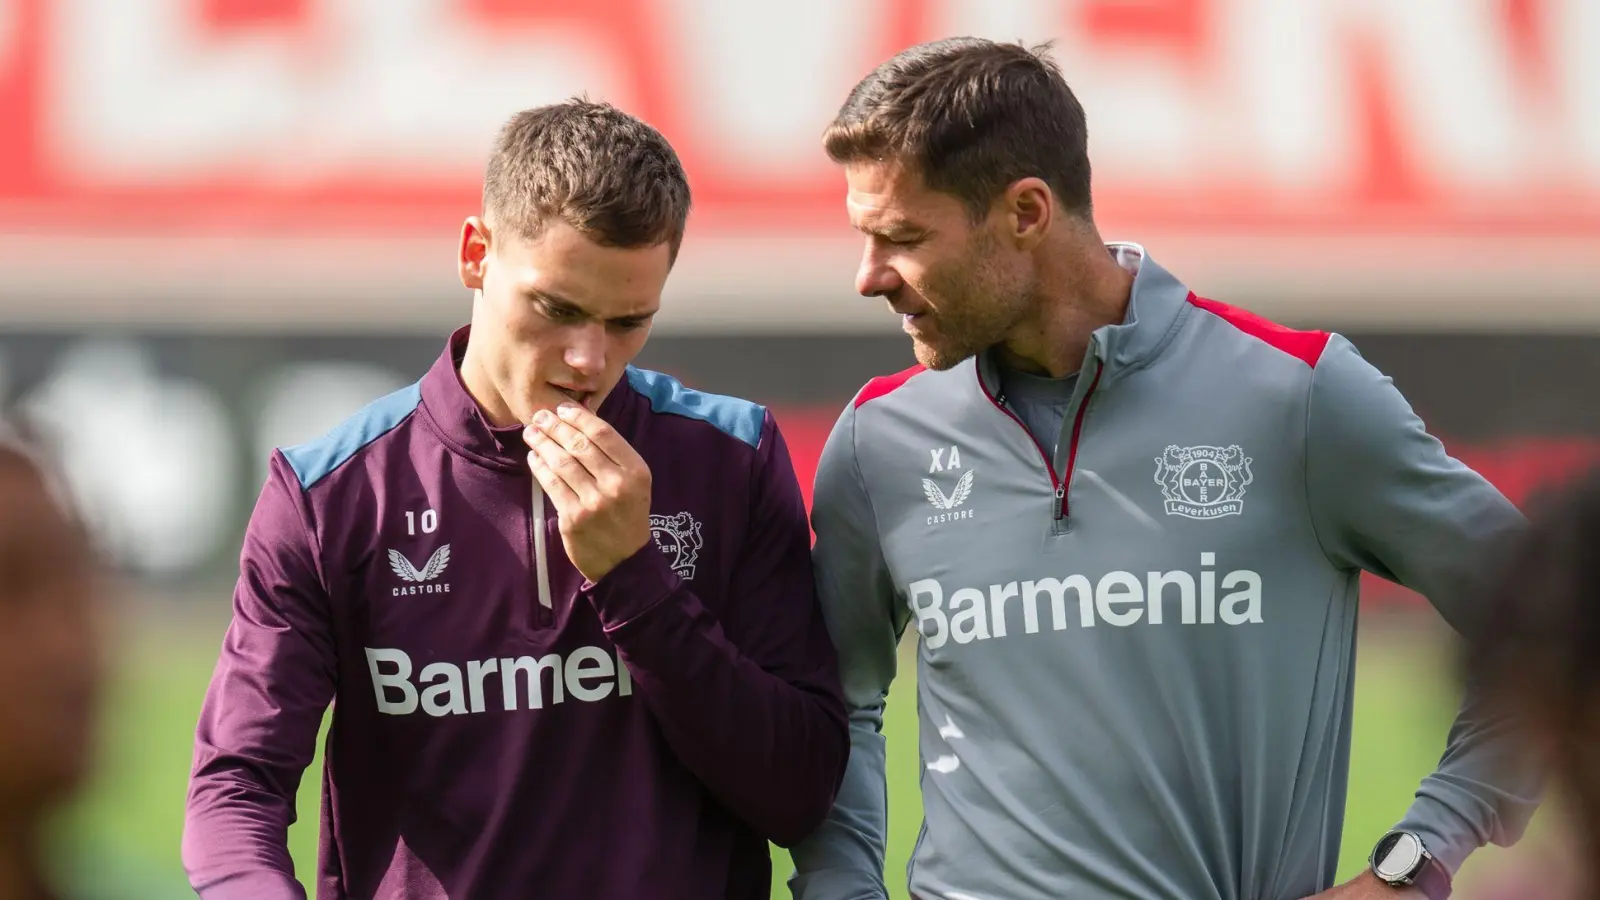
<point x="1538" y="658"/>
<point x="50" y="665"/>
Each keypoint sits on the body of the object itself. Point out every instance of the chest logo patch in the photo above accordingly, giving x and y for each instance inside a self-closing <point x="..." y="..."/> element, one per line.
<point x="957" y="495"/>
<point x="678" y="538"/>
<point x="420" y="580"/>
<point x="947" y="460"/>
<point x="1203" y="482"/>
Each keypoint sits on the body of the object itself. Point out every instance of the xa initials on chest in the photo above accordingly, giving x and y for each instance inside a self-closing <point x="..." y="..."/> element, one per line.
<point x="947" y="460"/>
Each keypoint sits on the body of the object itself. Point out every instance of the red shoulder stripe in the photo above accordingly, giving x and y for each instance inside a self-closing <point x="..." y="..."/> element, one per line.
<point x="884" y="384"/>
<point x="1306" y="346"/>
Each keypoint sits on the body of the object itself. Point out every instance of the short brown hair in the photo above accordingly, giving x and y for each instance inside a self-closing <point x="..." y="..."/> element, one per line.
<point x="973" y="116"/>
<point x="606" y="173"/>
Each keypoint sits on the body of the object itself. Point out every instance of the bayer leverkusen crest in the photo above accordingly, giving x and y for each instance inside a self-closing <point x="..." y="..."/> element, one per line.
<point x="678" y="537"/>
<point x="1203" y="482"/>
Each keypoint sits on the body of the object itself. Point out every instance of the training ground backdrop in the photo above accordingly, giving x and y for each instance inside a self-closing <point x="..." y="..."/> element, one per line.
<point x="227" y="224"/>
<point x="171" y="467"/>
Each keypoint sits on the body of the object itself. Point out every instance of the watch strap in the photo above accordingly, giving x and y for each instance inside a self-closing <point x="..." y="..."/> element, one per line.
<point x="1433" y="880"/>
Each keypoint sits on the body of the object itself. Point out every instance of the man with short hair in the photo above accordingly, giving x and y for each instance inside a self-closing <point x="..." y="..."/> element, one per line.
<point x="1129" y="524"/>
<point x="563" y="606"/>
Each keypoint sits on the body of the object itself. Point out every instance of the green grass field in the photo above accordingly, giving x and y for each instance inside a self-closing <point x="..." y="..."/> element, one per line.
<point x="121" y="839"/>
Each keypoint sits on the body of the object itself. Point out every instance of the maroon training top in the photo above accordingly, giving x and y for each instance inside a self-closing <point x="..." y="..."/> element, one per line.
<point x="501" y="728"/>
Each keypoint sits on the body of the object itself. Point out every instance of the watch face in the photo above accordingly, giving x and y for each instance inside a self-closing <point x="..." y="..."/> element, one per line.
<point x="1398" y="856"/>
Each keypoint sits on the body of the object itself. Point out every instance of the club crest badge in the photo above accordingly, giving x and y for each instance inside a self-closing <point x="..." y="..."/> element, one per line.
<point x="1203" y="482"/>
<point x="678" y="538"/>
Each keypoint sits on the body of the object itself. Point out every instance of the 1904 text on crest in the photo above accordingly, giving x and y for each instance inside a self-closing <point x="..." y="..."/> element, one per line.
<point x="1203" y="482"/>
<point x="680" y="541"/>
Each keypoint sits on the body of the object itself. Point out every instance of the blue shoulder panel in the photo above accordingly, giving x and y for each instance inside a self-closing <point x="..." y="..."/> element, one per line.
<point x="312" y="461"/>
<point x="731" y="415"/>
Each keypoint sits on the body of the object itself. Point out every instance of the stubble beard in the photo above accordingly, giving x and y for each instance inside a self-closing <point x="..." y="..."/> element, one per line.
<point x="977" y="306"/>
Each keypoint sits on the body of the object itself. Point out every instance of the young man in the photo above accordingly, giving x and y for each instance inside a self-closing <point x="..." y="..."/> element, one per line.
<point x="1129" y="523"/>
<point x="563" y="605"/>
<point x="52" y="668"/>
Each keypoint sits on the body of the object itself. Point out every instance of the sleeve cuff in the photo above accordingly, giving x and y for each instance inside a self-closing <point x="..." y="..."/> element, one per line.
<point x="836" y="884"/>
<point x="254" y="886"/>
<point x="633" y="588"/>
<point x="1448" y="847"/>
<point x="1434" y="881"/>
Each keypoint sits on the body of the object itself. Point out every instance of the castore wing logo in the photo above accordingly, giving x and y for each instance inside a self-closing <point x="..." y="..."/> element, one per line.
<point x="433" y="569"/>
<point x="957" y="496"/>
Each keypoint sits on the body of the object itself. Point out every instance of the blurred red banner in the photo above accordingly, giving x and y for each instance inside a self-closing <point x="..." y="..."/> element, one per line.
<point x="1434" y="117"/>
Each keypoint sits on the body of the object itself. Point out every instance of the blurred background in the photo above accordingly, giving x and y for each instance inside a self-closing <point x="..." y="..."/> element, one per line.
<point x="227" y="224"/>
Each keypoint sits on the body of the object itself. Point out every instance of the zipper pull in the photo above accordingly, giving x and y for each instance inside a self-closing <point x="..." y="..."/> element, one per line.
<point x="1061" y="493"/>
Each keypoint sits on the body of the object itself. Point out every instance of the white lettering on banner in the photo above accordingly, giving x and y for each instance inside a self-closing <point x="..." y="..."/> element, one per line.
<point x="1251" y="93"/>
<point x="400" y="84"/>
<point x="1451" y="75"/>
<point x="1295" y="108"/>
<point x="766" y="78"/>
<point x="1026" y="20"/>
<point x="587" y="675"/>
<point x="10" y="40"/>
<point x="1446" y="64"/>
<point x="1573" y="33"/>
<point x="1119" y="599"/>
<point x="1274" y="95"/>
<point x="1146" y="106"/>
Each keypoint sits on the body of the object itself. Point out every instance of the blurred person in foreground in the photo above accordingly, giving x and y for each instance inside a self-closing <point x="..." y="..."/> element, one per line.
<point x="563" y="606"/>
<point x="51" y="667"/>
<point x="1536" y="659"/>
<point x="1129" y="524"/>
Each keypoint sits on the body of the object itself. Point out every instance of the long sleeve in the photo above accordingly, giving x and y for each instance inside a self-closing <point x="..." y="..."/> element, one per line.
<point x="748" y="701"/>
<point x="258" y="724"/>
<point x="1386" y="498"/>
<point x="844" y="859"/>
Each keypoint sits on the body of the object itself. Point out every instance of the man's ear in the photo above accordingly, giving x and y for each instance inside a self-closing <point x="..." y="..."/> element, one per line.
<point x="1030" y="208"/>
<point x="473" y="254"/>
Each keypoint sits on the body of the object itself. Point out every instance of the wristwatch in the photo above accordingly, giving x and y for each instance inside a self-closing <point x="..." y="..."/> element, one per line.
<point x="1400" y="859"/>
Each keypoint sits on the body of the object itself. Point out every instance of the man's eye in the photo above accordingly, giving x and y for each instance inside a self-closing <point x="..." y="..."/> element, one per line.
<point x="628" y="324"/>
<point x="559" y="313"/>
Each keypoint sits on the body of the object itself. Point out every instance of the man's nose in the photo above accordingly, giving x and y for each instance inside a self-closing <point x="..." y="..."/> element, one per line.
<point x="875" y="277"/>
<point x="586" y="349"/>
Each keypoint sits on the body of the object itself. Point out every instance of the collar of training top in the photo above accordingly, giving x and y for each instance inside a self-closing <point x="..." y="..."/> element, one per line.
<point x="461" y="422"/>
<point x="1155" y="305"/>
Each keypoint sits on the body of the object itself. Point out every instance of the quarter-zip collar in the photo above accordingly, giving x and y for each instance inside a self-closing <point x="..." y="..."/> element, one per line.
<point x="1156" y="305"/>
<point x="461" y="424"/>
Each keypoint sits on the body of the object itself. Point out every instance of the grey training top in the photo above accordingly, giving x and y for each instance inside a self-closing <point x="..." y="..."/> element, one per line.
<point x="1140" y="687"/>
<point x="1039" y="401"/>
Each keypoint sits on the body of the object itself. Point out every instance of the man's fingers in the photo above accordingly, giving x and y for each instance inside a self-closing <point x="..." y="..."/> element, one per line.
<point x="566" y="502"/>
<point x="601" y="433"/>
<point x="564" y="466"/>
<point x="580" y="445"/>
